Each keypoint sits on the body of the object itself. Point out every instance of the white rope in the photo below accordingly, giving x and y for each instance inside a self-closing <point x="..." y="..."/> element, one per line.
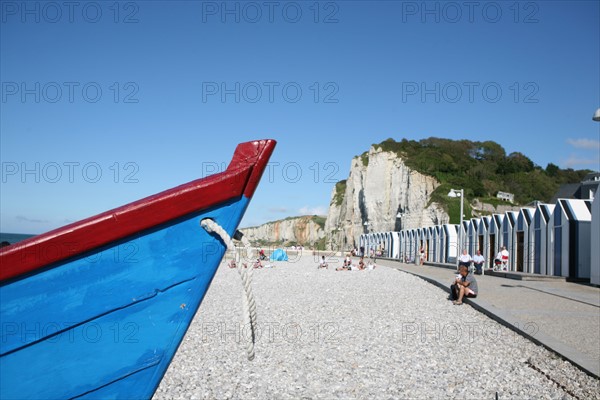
<point x="249" y="305"/>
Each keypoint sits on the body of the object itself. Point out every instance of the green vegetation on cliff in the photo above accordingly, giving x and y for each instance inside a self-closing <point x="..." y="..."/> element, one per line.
<point x="340" y="191"/>
<point x="480" y="168"/>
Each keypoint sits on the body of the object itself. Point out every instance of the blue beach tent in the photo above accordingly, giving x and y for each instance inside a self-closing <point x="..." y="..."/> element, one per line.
<point x="279" y="255"/>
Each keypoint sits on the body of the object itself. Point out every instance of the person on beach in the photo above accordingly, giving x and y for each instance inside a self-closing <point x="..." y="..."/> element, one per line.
<point x="262" y="255"/>
<point x="464" y="259"/>
<point x="232" y="264"/>
<point x="323" y="263"/>
<point x="464" y="286"/>
<point x="344" y="268"/>
<point x="422" y="255"/>
<point x="361" y="264"/>
<point x="478" y="261"/>
<point x="348" y="261"/>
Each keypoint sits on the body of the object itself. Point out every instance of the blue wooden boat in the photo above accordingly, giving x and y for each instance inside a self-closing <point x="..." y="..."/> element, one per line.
<point x="98" y="308"/>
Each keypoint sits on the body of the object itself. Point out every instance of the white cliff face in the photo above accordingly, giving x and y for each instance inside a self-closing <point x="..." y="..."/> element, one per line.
<point x="376" y="193"/>
<point x="302" y="230"/>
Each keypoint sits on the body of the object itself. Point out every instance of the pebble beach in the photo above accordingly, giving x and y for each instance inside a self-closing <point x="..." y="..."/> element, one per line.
<point x="378" y="334"/>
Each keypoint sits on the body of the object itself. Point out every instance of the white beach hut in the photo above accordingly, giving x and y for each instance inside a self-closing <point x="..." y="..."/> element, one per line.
<point x="472" y="235"/>
<point x="395" y="247"/>
<point x="595" y="239"/>
<point x="571" y="238"/>
<point x="449" y="243"/>
<point x="402" y="245"/>
<point x="436" y="244"/>
<point x="484" y="240"/>
<point x="523" y="250"/>
<point x="509" y="236"/>
<point x="494" y="235"/>
<point x="541" y="239"/>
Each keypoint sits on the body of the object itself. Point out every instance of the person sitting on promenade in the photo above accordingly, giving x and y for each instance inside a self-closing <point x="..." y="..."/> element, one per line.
<point x="464" y="259"/>
<point x="465" y="286"/>
<point x="497" y="262"/>
<point x="504" y="258"/>
<point x="323" y="263"/>
<point x="478" y="261"/>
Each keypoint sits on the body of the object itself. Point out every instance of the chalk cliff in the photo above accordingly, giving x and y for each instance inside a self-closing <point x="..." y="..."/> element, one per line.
<point x="304" y="230"/>
<point x="379" y="187"/>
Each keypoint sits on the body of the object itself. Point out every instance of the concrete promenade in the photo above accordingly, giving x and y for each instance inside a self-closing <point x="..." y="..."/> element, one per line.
<point x="562" y="316"/>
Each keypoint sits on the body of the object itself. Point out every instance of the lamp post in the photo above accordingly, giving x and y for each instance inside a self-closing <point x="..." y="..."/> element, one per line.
<point x="458" y="193"/>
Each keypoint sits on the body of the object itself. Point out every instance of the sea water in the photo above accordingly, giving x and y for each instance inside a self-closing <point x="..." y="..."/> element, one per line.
<point x="13" y="237"/>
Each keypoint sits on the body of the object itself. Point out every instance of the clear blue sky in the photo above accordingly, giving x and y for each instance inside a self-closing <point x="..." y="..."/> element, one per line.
<point x="104" y="104"/>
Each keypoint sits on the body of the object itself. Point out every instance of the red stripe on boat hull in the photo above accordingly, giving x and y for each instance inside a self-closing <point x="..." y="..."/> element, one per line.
<point x="240" y="178"/>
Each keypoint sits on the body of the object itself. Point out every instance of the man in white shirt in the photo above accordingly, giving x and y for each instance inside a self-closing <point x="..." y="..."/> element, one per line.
<point x="478" y="261"/>
<point x="464" y="259"/>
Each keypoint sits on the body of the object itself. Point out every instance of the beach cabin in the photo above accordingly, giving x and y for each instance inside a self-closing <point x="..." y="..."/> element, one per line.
<point x="495" y="235"/>
<point x="364" y="243"/>
<point x="402" y="245"/>
<point x="370" y="243"/>
<point x="395" y="247"/>
<point x="464" y="237"/>
<point x="472" y="235"/>
<point x="383" y="243"/>
<point x="483" y="240"/>
<point x="509" y="235"/>
<point x="429" y="248"/>
<point x="570" y="238"/>
<point x="411" y="244"/>
<point x="449" y="243"/>
<point x="595" y="239"/>
<point x="387" y="244"/>
<point x="524" y="241"/>
<point x="541" y="238"/>
<point x="436" y="244"/>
